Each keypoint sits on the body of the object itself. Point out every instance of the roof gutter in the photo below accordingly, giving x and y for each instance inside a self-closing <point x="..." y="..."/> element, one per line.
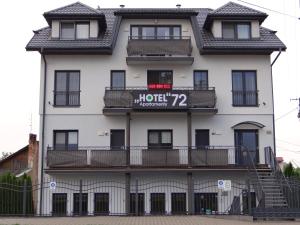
<point x="274" y="134"/>
<point x="43" y="131"/>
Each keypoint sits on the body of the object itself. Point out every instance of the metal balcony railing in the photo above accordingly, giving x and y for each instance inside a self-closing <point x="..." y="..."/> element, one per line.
<point x="159" y="45"/>
<point x="142" y="156"/>
<point x="124" y="97"/>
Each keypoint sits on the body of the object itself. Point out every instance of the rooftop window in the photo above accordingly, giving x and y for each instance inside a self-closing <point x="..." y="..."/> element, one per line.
<point x="71" y="30"/>
<point x="233" y="30"/>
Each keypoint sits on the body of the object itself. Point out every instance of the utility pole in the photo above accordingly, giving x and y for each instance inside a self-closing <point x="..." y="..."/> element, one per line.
<point x="297" y="99"/>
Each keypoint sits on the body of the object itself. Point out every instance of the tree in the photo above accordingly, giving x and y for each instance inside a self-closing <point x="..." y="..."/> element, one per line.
<point x="5" y="155"/>
<point x="289" y="170"/>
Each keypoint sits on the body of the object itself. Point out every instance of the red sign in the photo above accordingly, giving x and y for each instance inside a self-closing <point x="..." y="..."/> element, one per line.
<point x="160" y="86"/>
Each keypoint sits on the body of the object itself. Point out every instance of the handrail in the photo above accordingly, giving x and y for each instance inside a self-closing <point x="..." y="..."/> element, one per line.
<point x="129" y="88"/>
<point x="169" y="37"/>
<point x="252" y="167"/>
<point x="272" y="162"/>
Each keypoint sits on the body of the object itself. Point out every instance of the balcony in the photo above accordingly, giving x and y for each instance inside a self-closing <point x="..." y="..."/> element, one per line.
<point x="164" y="49"/>
<point x="118" y="101"/>
<point x="138" y="157"/>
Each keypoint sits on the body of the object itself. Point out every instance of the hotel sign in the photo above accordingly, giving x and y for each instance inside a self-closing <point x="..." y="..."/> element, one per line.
<point x="173" y="99"/>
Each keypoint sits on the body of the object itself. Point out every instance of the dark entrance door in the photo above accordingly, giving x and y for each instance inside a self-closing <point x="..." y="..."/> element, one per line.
<point x="158" y="203"/>
<point x="202" y="138"/>
<point x="249" y="140"/>
<point x="117" y="139"/>
<point x="141" y="203"/>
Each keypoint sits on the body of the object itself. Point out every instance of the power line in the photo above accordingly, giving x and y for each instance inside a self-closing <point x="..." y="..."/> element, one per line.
<point x="272" y="10"/>
<point x="287" y="142"/>
<point x="284" y="115"/>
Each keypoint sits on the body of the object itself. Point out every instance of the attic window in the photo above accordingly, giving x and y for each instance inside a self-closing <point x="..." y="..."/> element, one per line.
<point x="236" y="30"/>
<point x="67" y="31"/>
<point x="72" y="30"/>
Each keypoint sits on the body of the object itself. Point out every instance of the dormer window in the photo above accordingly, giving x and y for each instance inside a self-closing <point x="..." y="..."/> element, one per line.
<point x="71" y="30"/>
<point x="236" y="30"/>
<point x="67" y="31"/>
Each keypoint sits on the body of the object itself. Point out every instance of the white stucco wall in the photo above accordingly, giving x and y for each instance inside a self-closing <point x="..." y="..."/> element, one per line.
<point x="95" y="76"/>
<point x="216" y="28"/>
<point x="255" y="29"/>
<point x="55" y="29"/>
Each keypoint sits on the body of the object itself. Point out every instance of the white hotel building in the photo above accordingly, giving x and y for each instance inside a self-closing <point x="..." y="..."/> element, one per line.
<point x="155" y="105"/>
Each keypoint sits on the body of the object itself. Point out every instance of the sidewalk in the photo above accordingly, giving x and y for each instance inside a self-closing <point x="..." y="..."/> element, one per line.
<point x="150" y="220"/>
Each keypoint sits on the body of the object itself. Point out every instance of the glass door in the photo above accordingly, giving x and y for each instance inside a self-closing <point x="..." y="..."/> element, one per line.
<point x="249" y="140"/>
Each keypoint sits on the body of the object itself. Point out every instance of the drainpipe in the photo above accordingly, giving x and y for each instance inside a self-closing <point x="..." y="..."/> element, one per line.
<point x="274" y="141"/>
<point x="43" y="131"/>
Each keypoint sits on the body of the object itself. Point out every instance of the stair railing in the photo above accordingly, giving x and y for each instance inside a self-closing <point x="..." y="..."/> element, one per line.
<point x="254" y="177"/>
<point x="285" y="186"/>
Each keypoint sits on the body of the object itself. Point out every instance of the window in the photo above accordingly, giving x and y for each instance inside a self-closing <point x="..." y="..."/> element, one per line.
<point x="178" y="203"/>
<point x="200" y="80"/>
<point x="117" y="80"/>
<point x="160" y="139"/>
<point x="244" y="88"/>
<point x="76" y="204"/>
<point x="248" y="139"/>
<point x="202" y="138"/>
<point x="155" y="32"/>
<point x="67" y="88"/>
<point x="67" y="31"/>
<point x="72" y="30"/>
<point x="158" y="79"/>
<point x="236" y="30"/>
<point x="101" y="203"/>
<point x="206" y="203"/>
<point x="65" y="140"/>
<point x="82" y="30"/>
<point x="59" y="204"/>
<point x="158" y="202"/>
<point x="141" y="203"/>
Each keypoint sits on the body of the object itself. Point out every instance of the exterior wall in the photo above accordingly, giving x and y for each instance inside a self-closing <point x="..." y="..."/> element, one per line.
<point x="216" y="28"/>
<point x="55" y="29"/>
<point x="255" y="29"/>
<point x="94" y="28"/>
<point x="95" y="76"/>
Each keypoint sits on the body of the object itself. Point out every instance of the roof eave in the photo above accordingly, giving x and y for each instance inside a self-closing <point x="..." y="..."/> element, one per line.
<point x="240" y="51"/>
<point x="210" y="18"/>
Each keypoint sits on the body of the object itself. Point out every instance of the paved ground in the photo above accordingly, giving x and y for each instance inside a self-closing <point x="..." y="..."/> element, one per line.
<point x="150" y="220"/>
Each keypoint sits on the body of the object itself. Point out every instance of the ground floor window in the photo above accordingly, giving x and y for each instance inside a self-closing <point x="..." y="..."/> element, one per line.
<point x="76" y="203"/>
<point x="141" y="203"/>
<point x="206" y="203"/>
<point x="59" y="204"/>
<point x="178" y="202"/>
<point x="158" y="203"/>
<point x="101" y="203"/>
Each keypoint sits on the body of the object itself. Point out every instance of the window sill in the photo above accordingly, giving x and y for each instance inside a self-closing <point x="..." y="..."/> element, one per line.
<point x="66" y="106"/>
<point x="245" y="105"/>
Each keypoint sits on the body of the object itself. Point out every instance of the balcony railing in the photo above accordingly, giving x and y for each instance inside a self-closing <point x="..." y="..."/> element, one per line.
<point x="125" y="97"/>
<point x="159" y="46"/>
<point x="245" y="98"/>
<point x="143" y="157"/>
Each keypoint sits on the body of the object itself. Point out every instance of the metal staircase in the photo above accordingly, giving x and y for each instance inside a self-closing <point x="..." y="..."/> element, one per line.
<point x="275" y="192"/>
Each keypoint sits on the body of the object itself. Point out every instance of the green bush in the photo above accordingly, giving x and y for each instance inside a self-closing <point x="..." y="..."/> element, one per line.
<point x="12" y="192"/>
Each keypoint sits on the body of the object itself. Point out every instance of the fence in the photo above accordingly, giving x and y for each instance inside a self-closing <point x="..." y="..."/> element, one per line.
<point x="119" y="197"/>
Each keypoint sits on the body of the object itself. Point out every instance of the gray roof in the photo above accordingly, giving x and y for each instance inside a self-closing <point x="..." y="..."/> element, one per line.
<point x="76" y="8"/>
<point x="267" y="42"/>
<point x="232" y="8"/>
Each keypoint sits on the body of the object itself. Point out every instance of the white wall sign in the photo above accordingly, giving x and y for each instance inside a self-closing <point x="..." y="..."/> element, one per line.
<point x="52" y="185"/>
<point x="224" y="185"/>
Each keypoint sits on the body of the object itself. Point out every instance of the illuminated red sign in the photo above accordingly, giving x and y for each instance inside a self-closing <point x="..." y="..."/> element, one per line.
<point x="160" y="86"/>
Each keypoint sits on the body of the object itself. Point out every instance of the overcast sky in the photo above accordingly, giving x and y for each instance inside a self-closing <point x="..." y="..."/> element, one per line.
<point x="20" y="70"/>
